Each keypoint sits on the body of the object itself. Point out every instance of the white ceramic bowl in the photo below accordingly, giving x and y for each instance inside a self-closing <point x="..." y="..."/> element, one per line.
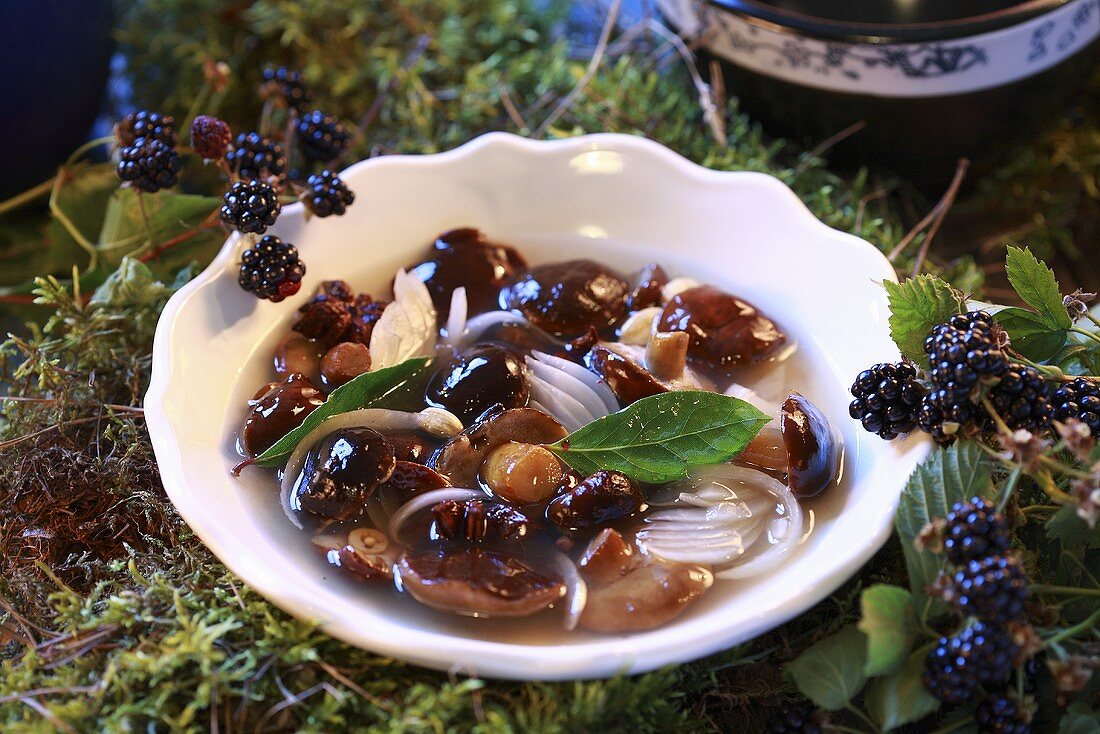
<point x="620" y="199"/>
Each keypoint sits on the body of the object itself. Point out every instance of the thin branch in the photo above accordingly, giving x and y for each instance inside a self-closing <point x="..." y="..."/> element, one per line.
<point x="14" y="441"/>
<point x="27" y="196"/>
<point x="944" y="207"/>
<point x="510" y="107"/>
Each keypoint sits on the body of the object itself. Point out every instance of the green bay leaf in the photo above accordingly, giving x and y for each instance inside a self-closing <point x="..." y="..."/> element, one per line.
<point x="888" y="621"/>
<point x="364" y="391"/>
<point x="660" y="438"/>
<point x="950" y="475"/>
<point x="901" y="698"/>
<point x="1037" y="286"/>
<point x="830" y="673"/>
<point x="916" y="306"/>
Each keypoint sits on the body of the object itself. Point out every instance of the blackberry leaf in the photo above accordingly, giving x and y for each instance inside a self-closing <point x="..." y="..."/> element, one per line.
<point x="886" y="617"/>
<point x="1031" y="333"/>
<point x="901" y="698"/>
<point x="830" y="673"/>
<point x="916" y="306"/>
<point x="1037" y="286"/>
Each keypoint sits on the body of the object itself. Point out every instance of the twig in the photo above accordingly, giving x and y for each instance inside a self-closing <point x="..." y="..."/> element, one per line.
<point x="944" y="206"/>
<point x="46" y="714"/>
<point x="43" y="692"/>
<point x="511" y="109"/>
<point x="593" y="64"/>
<point x="836" y="138"/>
<point x="13" y="441"/>
<point x="712" y="113"/>
<point x="931" y="217"/>
<point x="27" y="196"/>
<point x="112" y="406"/>
<point x="375" y="108"/>
<point x="343" y="679"/>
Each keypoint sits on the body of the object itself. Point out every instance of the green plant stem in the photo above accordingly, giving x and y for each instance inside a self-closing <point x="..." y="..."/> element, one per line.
<point x="1009" y="487"/>
<point x="70" y="227"/>
<point x="1085" y="333"/>
<point x="27" y="196"/>
<point x="1091" y="317"/>
<point x="862" y="717"/>
<point x="1066" y="590"/>
<point x="1047" y="369"/>
<point x="145" y="223"/>
<point x="75" y="155"/>
<point x="1072" y="631"/>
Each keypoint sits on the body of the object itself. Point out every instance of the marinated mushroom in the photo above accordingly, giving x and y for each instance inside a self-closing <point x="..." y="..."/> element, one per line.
<point x="804" y="452"/>
<point x="342" y="471"/>
<point x="628" y="592"/>
<point x="463" y="258"/>
<point x="483" y="375"/>
<point x="479" y="519"/>
<point x="336" y="315"/>
<point x="634" y="372"/>
<point x="279" y="410"/>
<point x="647" y="287"/>
<point x="461" y="458"/>
<point x="566" y="298"/>
<point x="410" y="446"/>
<point x="296" y="355"/>
<point x="477" y="582"/>
<point x="725" y="331"/>
<point x="521" y="473"/>
<point x="604" y="497"/>
<point x="365" y="553"/>
<point x="344" y="362"/>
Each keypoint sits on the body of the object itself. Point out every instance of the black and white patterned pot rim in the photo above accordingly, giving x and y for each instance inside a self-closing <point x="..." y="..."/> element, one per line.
<point x="926" y="69"/>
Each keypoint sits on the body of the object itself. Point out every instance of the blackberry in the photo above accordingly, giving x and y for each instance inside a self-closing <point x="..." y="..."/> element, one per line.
<point x="271" y="269"/>
<point x="1000" y="714"/>
<point x="981" y="654"/>
<point x="887" y="399"/>
<point x="993" y="589"/>
<point x="287" y="85"/>
<point x="1079" y="399"/>
<point x="1020" y="398"/>
<point x="973" y="531"/>
<point x="327" y="194"/>
<point x="148" y="125"/>
<point x="210" y="137"/>
<point x="254" y="156"/>
<point x="948" y="412"/>
<point x="149" y="165"/>
<point x="250" y="206"/>
<point x="794" y="718"/>
<point x="321" y="137"/>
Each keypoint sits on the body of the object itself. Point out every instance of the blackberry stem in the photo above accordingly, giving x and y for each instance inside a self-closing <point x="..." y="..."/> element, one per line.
<point x="1086" y="333"/>
<point x="27" y="196"/>
<point x="1009" y="487"/>
<point x="75" y="155"/>
<point x="1070" y="632"/>
<point x="145" y="222"/>
<point x="1002" y="427"/>
<point x="1066" y="590"/>
<point x="68" y="224"/>
<point x="1049" y="370"/>
<point x="1089" y="315"/>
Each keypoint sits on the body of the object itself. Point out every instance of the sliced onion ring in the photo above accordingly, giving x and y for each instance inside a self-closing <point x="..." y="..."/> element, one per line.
<point x="576" y="590"/>
<point x="589" y="378"/>
<point x="481" y="323"/>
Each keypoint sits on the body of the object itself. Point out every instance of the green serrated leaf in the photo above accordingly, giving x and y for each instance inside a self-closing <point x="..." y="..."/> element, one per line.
<point x="1080" y="718"/>
<point x="901" y="698"/>
<point x="1037" y="286"/>
<point x="363" y="391"/>
<point x="916" y="306"/>
<point x="1073" y="532"/>
<point x="887" y="619"/>
<point x="660" y="438"/>
<point x="949" y="475"/>
<point x="1031" y="333"/>
<point x="830" y="673"/>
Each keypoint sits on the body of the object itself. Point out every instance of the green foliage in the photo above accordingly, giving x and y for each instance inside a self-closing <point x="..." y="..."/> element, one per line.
<point x="916" y="306"/>
<point x="900" y="698"/>
<point x="660" y="438"/>
<point x="831" y="672"/>
<point x="888" y="621"/>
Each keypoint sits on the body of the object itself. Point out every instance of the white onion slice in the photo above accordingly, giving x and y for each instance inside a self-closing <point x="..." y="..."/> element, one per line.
<point x="407" y="326"/>
<point x="639" y="326"/>
<point x="481" y="323"/>
<point x="561" y="406"/>
<point x="769" y="380"/>
<point x="432" y="420"/>
<point x="571" y="385"/>
<point x="456" y="320"/>
<point x="598" y="385"/>
<point x="753" y="398"/>
<point x="576" y="590"/>
<point x="423" y="501"/>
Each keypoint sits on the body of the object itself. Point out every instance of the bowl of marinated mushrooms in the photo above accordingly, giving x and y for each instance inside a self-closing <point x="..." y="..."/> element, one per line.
<point x="536" y="410"/>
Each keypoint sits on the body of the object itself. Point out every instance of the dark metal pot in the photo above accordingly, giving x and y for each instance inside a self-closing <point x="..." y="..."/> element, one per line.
<point x="56" y="56"/>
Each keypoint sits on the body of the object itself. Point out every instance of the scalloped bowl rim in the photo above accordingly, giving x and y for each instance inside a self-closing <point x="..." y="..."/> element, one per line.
<point x="603" y="657"/>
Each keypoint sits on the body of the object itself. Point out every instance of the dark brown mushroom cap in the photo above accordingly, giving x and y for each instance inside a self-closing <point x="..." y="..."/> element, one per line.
<point x="483" y="375"/>
<point x="647" y="288"/>
<point x="277" y="412"/>
<point x="475" y="581"/>
<point x="414" y="478"/>
<point x="478" y="519"/>
<point x="342" y="471"/>
<point x="464" y="258"/>
<point x="364" y="567"/>
<point x="460" y="459"/>
<point x="566" y="298"/>
<point x="813" y="451"/>
<point x="725" y="331"/>
<point x="602" y="498"/>
<point x="627" y="379"/>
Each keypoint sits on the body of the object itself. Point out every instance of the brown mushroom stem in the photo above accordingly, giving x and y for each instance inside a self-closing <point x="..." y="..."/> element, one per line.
<point x="666" y="354"/>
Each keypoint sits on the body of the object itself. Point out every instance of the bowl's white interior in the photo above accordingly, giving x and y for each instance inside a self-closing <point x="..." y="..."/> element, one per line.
<point x="621" y="200"/>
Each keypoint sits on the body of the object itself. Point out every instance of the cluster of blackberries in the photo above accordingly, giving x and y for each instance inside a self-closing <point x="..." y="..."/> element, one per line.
<point x="321" y="137"/>
<point x="1079" y="399"/>
<point x="289" y="87"/>
<point x="271" y="269"/>
<point x="327" y="194"/>
<point x="147" y="157"/>
<point x="991" y="586"/>
<point x="250" y="206"/>
<point x="255" y="157"/>
<point x="794" y="717"/>
<point x="966" y="364"/>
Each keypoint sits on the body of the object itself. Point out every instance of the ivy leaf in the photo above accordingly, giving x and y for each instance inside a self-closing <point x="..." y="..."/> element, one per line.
<point x="830" y="673"/>
<point x="1080" y="718"/>
<point x="1032" y="334"/>
<point x="1071" y="530"/>
<point x="1037" y="286"/>
<point x="363" y="391"/>
<point x="916" y="306"/>
<point x="887" y="620"/>
<point x="949" y="475"/>
<point x="659" y="438"/>
<point x="901" y="698"/>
